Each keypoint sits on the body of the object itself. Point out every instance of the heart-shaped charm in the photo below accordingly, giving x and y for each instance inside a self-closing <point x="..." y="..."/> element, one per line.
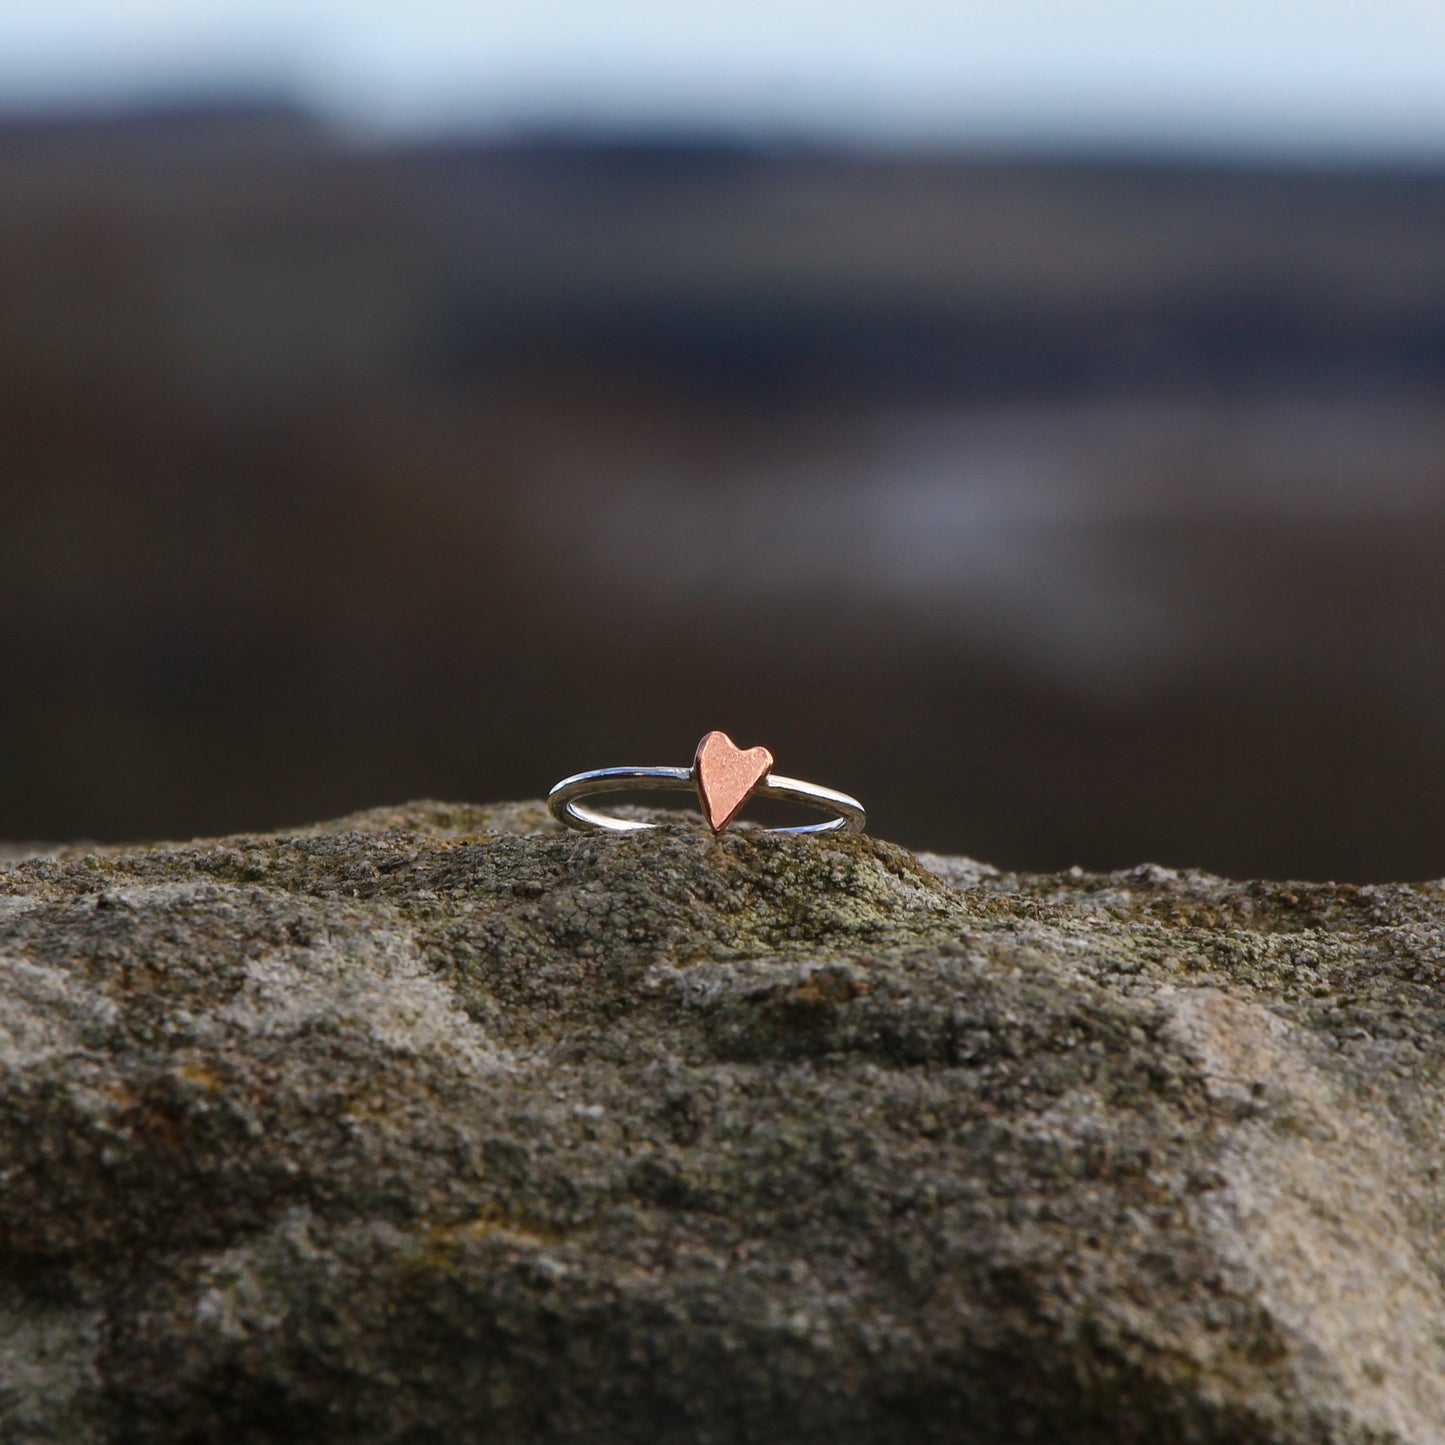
<point x="725" y="776"/>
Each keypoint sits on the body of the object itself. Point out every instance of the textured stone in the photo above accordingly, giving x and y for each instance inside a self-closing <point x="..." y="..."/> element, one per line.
<point x="436" y="1124"/>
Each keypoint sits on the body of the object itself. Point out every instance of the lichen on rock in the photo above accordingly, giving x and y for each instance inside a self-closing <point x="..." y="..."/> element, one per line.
<point x="437" y="1123"/>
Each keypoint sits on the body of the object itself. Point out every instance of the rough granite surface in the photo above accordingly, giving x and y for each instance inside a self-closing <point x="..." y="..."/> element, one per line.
<point x="438" y="1125"/>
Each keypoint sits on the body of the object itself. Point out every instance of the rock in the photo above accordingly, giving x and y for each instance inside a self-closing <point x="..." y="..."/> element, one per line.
<point x="437" y="1124"/>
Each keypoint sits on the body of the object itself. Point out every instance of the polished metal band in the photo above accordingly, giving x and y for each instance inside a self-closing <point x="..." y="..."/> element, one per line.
<point x="562" y="799"/>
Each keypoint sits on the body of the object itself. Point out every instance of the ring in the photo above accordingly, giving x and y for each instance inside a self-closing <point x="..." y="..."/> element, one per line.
<point x="725" y="777"/>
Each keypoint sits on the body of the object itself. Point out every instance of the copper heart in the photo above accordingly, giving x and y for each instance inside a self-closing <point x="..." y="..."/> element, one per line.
<point x="726" y="776"/>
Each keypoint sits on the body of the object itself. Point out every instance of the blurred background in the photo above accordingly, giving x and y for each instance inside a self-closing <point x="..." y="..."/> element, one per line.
<point x="1029" y="417"/>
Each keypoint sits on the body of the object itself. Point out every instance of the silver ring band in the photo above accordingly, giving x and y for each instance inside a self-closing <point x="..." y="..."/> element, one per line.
<point x="562" y="800"/>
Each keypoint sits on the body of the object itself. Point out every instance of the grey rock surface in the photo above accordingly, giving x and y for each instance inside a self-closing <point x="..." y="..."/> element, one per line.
<point x="436" y="1124"/>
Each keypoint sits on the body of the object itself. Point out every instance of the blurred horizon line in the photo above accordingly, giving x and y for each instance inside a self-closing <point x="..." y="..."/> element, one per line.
<point x="283" y="110"/>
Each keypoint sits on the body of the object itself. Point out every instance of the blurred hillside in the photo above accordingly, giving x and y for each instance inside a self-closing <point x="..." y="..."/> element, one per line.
<point x="1066" y="511"/>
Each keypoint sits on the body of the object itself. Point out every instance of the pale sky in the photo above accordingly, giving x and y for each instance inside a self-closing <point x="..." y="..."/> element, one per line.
<point x="1313" y="75"/>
